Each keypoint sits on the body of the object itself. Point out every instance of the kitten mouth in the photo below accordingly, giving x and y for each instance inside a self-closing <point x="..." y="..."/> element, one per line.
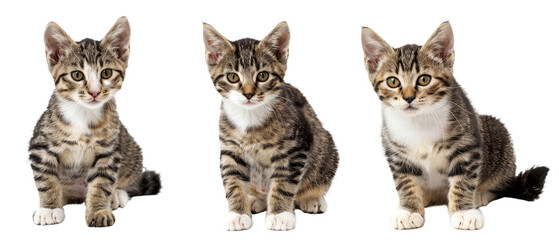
<point x="249" y="103"/>
<point x="93" y="101"/>
<point x="410" y="108"/>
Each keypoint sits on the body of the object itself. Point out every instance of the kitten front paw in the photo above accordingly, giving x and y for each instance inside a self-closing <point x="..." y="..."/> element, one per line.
<point x="238" y="222"/>
<point x="48" y="216"/>
<point x="101" y="218"/>
<point x="119" y="199"/>
<point x="404" y="219"/>
<point x="467" y="220"/>
<point x="317" y="205"/>
<point x="281" y="221"/>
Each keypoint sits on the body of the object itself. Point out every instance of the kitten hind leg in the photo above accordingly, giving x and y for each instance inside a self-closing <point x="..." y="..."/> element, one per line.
<point x="311" y="201"/>
<point x="119" y="198"/>
<point x="484" y="197"/>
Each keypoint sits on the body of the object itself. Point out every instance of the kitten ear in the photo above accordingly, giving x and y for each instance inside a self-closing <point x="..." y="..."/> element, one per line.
<point x="118" y="39"/>
<point x="277" y="42"/>
<point x="57" y="43"/>
<point x="216" y="45"/>
<point x="375" y="49"/>
<point x="441" y="44"/>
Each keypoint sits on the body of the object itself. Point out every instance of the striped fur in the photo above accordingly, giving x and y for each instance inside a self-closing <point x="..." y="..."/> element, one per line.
<point x="440" y="151"/>
<point x="275" y="154"/>
<point x="80" y="151"/>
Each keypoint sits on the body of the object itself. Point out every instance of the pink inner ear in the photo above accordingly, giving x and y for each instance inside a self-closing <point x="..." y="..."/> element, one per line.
<point x="374" y="62"/>
<point x="54" y="55"/>
<point x="448" y="48"/>
<point x="53" y="49"/>
<point x="284" y="40"/>
<point x="120" y="43"/>
<point x="121" y="50"/>
<point x="210" y="49"/>
<point x="373" y="55"/>
<point x="214" y="56"/>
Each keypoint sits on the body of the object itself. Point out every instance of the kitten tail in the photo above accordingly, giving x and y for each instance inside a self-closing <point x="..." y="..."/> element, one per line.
<point x="528" y="185"/>
<point x="149" y="184"/>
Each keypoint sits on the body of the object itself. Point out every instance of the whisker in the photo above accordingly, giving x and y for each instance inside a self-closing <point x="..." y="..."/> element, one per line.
<point x="460" y="107"/>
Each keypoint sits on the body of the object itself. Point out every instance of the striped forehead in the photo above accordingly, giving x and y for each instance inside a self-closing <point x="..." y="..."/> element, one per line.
<point x="245" y="54"/>
<point x="90" y="52"/>
<point x="407" y="58"/>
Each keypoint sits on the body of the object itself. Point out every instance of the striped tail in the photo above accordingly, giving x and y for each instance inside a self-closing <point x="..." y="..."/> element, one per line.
<point x="528" y="185"/>
<point x="149" y="184"/>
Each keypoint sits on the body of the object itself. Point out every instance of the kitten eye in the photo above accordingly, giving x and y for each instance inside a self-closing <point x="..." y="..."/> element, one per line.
<point x="393" y="82"/>
<point x="233" y="77"/>
<point x="77" y="75"/>
<point x="262" y="76"/>
<point x="423" y="80"/>
<point x="106" y="73"/>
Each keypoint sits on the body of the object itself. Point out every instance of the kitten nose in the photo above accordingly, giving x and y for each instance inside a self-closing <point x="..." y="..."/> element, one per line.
<point x="94" y="93"/>
<point x="248" y="95"/>
<point x="409" y="99"/>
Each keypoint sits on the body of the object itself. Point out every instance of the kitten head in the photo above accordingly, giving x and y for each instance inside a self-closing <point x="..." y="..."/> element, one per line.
<point x="247" y="72"/>
<point x="411" y="78"/>
<point x="88" y="72"/>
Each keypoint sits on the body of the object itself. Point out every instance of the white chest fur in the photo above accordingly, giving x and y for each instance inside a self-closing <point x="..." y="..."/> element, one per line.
<point x="244" y="117"/>
<point x="79" y="116"/>
<point x="419" y="133"/>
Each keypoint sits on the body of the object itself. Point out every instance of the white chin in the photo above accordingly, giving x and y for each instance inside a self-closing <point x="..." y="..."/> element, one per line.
<point x="409" y="111"/>
<point x="249" y="105"/>
<point x="92" y="105"/>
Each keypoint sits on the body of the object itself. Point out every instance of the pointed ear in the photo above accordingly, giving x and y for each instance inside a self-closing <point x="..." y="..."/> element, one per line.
<point x="216" y="45"/>
<point x="375" y="49"/>
<point x="118" y="39"/>
<point x="57" y="43"/>
<point x="441" y="44"/>
<point x="277" y="42"/>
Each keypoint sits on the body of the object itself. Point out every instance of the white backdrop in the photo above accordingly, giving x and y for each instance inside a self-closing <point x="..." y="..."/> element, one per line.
<point x="506" y="59"/>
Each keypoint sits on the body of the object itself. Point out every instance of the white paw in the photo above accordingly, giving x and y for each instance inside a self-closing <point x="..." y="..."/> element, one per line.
<point x="404" y="219"/>
<point x="238" y="222"/>
<point x="467" y="220"/>
<point x="282" y="221"/>
<point x="119" y="199"/>
<point x="48" y="216"/>
<point x="313" y="205"/>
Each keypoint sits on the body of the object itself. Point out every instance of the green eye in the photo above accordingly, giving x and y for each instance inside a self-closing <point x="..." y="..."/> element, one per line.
<point x="77" y="75"/>
<point x="233" y="77"/>
<point x="106" y="73"/>
<point x="262" y="76"/>
<point x="423" y="80"/>
<point x="393" y="82"/>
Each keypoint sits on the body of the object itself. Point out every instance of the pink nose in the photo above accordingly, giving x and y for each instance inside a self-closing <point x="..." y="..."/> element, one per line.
<point x="94" y="93"/>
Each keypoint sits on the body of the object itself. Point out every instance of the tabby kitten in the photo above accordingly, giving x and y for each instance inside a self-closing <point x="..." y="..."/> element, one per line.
<point x="80" y="151"/>
<point x="440" y="151"/>
<point x="275" y="154"/>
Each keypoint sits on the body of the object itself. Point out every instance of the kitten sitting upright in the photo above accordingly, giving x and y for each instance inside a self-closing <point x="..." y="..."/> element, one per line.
<point x="275" y="154"/>
<point x="440" y="151"/>
<point x="80" y="151"/>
